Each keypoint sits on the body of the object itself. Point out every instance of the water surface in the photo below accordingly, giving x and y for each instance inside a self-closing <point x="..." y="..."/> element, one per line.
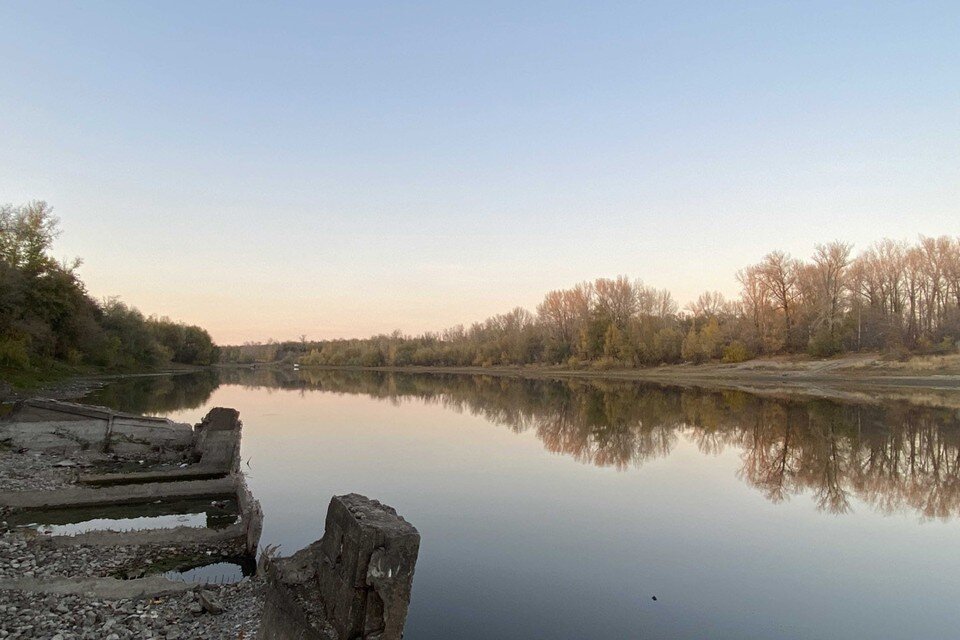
<point x="560" y="509"/>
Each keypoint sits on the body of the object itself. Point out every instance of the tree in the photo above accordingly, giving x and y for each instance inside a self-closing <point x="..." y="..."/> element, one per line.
<point x="616" y="299"/>
<point x="892" y="296"/>
<point x="46" y="314"/>
<point x="707" y="305"/>
<point x="831" y="263"/>
<point x="779" y="273"/>
<point x="26" y="235"/>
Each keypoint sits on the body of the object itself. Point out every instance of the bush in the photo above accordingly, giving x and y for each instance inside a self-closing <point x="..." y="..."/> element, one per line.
<point x="372" y="358"/>
<point x="927" y="347"/>
<point x="606" y="363"/>
<point x="824" y="343"/>
<point x="14" y="353"/>
<point x="736" y="351"/>
<point x="691" y="350"/>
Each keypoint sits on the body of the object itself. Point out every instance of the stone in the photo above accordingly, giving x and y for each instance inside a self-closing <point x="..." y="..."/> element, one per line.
<point x="210" y="603"/>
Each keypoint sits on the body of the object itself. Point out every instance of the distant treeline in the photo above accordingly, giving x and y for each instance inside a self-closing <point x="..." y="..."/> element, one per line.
<point x="47" y="317"/>
<point x="894" y="297"/>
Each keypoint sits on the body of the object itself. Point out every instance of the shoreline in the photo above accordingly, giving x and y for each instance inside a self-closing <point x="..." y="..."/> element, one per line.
<point x="850" y="377"/>
<point x="754" y="372"/>
<point x="81" y="384"/>
<point x="830" y="379"/>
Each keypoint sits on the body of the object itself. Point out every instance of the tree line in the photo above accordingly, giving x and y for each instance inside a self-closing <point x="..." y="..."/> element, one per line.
<point x="895" y="297"/>
<point x="47" y="317"/>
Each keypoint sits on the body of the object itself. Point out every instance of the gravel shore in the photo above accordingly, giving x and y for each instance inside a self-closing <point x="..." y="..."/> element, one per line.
<point x="32" y="556"/>
<point x="229" y="611"/>
<point x="33" y="470"/>
<point x="72" y="617"/>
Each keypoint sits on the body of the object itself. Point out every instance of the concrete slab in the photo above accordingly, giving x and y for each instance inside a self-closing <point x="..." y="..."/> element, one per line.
<point x="66" y="427"/>
<point x="106" y="588"/>
<point x="125" y="494"/>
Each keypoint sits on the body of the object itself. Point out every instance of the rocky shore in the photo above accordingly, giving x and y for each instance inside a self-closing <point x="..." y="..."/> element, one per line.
<point x="22" y="470"/>
<point x="44" y="578"/>
<point x="234" y="613"/>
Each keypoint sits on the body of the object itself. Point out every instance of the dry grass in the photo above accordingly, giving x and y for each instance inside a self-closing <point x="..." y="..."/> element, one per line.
<point x="919" y="365"/>
<point x="924" y="364"/>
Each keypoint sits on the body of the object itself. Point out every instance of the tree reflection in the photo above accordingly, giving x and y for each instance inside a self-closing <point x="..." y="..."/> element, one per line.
<point x="892" y="455"/>
<point x="157" y="395"/>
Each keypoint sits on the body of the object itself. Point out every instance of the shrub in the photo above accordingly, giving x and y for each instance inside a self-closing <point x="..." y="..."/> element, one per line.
<point x="606" y="363"/>
<point x="824" y="343"/>
<point x="736" y="351"/>
<point x="14" y="353"/>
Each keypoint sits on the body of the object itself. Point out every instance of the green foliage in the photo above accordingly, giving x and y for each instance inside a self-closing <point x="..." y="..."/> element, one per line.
<point x="711" y="339"/>
<point x="47" y="318"/>
<point x="691" y="350"/>
<point x="667" y="345"/>
<point x="824" y="343"/>
<point x="14" y="353"/>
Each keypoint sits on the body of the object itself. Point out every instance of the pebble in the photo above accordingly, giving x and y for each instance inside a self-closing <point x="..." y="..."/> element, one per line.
<point x="24" y="553"/>
<point x="24" y="615"/>
<point x="32" y="470"/>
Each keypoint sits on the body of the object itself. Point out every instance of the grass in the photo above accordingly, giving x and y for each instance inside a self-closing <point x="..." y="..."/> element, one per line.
<point x="949" y="363"/>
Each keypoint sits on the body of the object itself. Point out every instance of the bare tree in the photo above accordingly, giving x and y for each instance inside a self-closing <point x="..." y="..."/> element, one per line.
<point x="779" y="273"/>
<point x="831" y="264"/>
<point x="616" y="298"/>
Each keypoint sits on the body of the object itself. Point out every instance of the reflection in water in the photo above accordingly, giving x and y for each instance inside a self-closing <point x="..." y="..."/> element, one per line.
<point x="157" y="395"/>
<point x="215" y="572"/>
<point x="519" y="544"/>
<point x="893" y="454"/>
<point x="123" y="524"/>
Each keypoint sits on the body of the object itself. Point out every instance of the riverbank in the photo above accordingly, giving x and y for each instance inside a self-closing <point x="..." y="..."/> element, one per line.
<point x="846" y="376"/>
<point x="872" y="369"/>
<point x="926" y="380"/>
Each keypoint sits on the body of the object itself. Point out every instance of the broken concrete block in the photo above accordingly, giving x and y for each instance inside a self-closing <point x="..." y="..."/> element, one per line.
<point x="52" y="425"/>
<point x="353" y="584"/>
<point x="217" y="440"/>
<point x="368" y="554"/>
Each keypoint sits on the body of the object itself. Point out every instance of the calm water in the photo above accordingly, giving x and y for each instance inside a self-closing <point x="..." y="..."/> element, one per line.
<point x="558" y="510"/>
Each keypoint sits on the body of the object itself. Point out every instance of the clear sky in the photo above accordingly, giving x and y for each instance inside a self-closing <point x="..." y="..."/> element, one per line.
<point x="345" y="168"/>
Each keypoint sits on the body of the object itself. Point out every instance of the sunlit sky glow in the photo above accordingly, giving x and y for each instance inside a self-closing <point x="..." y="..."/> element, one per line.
<point x="342" y="169"/>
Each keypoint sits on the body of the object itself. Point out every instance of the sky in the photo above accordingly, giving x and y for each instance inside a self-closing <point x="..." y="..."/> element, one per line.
<point x="339" y="169"/>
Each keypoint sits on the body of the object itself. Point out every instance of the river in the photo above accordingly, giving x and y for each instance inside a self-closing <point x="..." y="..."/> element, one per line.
<point x="611" y="509"/>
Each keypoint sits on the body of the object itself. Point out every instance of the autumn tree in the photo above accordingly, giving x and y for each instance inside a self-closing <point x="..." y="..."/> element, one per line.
<point x="780" y="274"/>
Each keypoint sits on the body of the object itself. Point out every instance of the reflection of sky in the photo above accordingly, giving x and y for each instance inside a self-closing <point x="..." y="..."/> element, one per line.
<point x="522" y="543"/>
<point x="213" y="573"/>
<point x="125" y="524"/>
